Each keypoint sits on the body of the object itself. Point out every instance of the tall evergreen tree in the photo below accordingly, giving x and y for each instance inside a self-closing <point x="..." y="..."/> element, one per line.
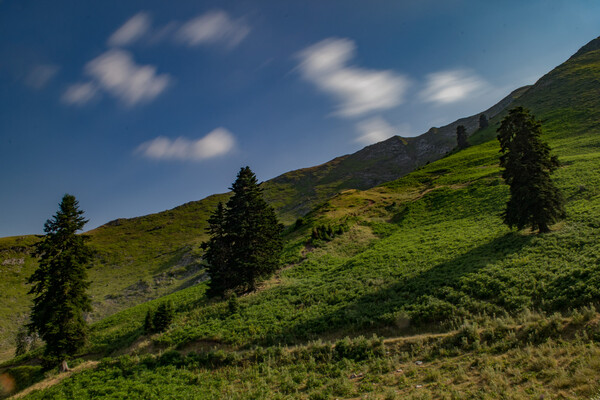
<point x="217" y="253"/>
<point x="461" y="137"/>
<point x="483" y="121"/>
<point x="245" y="243"/>
<point x="60" y="284"/>
<point x="534" y="199"/>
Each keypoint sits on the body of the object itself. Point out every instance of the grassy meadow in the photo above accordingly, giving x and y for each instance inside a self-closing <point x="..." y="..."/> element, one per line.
<point x="423" y="262"/>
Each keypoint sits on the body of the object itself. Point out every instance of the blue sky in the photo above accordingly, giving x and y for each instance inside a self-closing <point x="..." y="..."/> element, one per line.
<point x="139" y="106"/>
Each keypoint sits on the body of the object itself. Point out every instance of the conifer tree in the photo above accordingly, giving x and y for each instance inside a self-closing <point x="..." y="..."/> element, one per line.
<point x="534" y="199"/>
<point x="163" y="316"/>
<point x="149" y="322"/>
<point x="461" y="137"/>
<point x="245" y="243"/>
<point x="253" y="231"/>
<point x="483" y="121"/>
<point x="217" y="253"/>
<point x="60" y="284"/>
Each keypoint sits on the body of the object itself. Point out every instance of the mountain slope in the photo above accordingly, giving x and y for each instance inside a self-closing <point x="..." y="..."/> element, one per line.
<point x="297" y="192"/>
<point x="142" y="258"/>
<point x="426" y="252"/>
<point x="426" y="248"/>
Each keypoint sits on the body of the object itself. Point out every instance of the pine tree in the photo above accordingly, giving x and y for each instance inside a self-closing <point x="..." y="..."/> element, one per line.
<point x="217" y="253"/>
<point x="60" y="284"/>
<point x="461" y="137"/>
<point x="483" y="121"/>
<point x="245" y="243"/>
<point x="253" y="231"/>
<point x="163" y="316"/>
<point x="534" y="199"/>
<point x="149" y="322"/>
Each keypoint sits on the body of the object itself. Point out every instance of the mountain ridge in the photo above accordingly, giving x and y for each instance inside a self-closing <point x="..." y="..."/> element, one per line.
<point x="146" y="257"/>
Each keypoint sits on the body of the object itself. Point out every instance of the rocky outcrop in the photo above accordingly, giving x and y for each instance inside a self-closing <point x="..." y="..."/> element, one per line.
<point x="295" y="193"/>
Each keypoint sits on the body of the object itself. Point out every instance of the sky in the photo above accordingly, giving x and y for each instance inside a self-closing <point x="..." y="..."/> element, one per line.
<point x="137" y="106"/>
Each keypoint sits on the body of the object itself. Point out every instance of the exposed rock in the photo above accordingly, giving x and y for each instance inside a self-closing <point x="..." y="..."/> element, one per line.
<point x="13" y="261"/>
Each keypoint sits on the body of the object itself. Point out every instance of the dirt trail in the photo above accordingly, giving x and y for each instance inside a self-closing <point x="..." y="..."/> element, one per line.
<point x="55" y="379"/>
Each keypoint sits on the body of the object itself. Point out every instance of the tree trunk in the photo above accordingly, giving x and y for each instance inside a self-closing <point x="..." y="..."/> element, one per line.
<point x="543" y="228"/>
<point x="64" y="367"/>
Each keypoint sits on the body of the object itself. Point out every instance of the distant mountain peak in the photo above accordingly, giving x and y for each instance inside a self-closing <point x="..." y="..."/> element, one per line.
<point x="590" y="46"/>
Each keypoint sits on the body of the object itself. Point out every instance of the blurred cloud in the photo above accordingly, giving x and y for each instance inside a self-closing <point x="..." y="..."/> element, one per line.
<point x="214" y="27"/>
<point x="132" y="30"/>
<point x="358" y="90"/>
<point x="451" y="86"/>
<point x="217" y="143"/>
<point x="377" y="129"/>
<point x="41" y="75"/>
<point x="116" y="72"/>
<point x="79" y="93"/>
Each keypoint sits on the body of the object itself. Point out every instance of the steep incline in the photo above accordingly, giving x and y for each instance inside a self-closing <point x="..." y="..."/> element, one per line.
<point x="142" y="258"/>
<point x="297" y="192"/>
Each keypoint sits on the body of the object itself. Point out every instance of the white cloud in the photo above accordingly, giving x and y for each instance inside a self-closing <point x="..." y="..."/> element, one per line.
<point x="450" y="86"/>
<point x="214" y="27"/>
<point x="377" y="129"/>
<point x="116" y="72"/>
<point x="132" y="30"/>
<point x="217" y="143"/>
<point x="40" y="75"/>
<point x="79" y="93"/>
<point x="358" y="90"/>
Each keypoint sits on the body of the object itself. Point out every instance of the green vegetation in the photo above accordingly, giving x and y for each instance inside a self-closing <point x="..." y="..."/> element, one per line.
<point x="245" y="239"/>
<point x="461" y="137"/>
<point x="533" y="356"/>
<point x="426" y="263"/>
<point x="534" y="200"/>
<point x="143" y="258"/>
<point x="60" y="284"/>
<point x="483" y="121"/>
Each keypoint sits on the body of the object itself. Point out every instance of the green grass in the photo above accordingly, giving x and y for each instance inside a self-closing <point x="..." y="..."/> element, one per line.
<point x="533" y="356"/>
<point x="425" y="253"/>
<point x="16" y="263"/>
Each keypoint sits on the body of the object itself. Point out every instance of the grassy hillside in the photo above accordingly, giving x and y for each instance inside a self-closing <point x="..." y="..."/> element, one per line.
<point x="426" y="262"/>
<point x="295" y="193"/>
<point x="142" y="258"/>
<point x="16" y="263"/>
<point x="135" y="260"/>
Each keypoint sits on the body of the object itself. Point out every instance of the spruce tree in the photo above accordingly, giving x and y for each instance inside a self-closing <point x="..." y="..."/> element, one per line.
<point x="60" y="284"/>
<point x="163" y="316"/>
<point x="461" y="137"/>
<point x="534" y="199"/>
<point x="149" y="322"/>
<point x="253" y="231"/>
<point x="245" y="243"/>
<point x="217" y="253"/>
<point x="483" y="121"/>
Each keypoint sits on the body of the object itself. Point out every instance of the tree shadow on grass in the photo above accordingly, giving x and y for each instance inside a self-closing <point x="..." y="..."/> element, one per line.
<point x="427" y="296"/>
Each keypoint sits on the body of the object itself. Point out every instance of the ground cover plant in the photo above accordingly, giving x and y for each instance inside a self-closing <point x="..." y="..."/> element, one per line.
<point x="532" y="356"/>
<point x="497" y="313"/>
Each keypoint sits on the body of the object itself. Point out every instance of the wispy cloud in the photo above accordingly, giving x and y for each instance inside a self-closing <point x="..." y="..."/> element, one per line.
<point x="214" y="27"/>
<point x="79" y="93"/>
<point x="358" y="90"/>
<point x="217" y="143"/>
<point x="116" y="73"/>
<point x="40" y="75"/>
<point x="451" y="86"/>
<point x="377" y="129"/>
<point x="132" y="30"/>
